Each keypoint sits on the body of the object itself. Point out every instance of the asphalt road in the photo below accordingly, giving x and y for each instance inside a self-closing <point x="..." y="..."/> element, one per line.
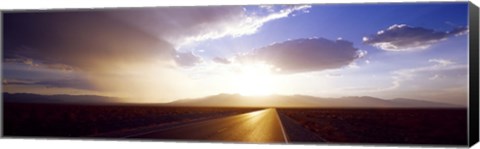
<point x="261" y="126"/>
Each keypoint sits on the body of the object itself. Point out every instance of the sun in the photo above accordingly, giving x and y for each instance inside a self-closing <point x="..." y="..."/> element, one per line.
<point x="254" y="80"/>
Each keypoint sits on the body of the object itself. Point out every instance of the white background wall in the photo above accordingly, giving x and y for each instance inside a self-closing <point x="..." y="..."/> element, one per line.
<point x="87" y="144"/>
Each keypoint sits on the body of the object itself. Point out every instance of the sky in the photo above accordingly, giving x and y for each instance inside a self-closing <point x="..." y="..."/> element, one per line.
<point x="162" y="54"/>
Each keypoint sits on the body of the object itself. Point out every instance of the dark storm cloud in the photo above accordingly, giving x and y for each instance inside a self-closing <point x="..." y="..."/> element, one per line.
<point x="406" y="38"/>
<point x="114" y="48"/>
<point x="83" y="39"/>
<point x="80" y="39"/>
<point x="113" y="43"/>
<point x="175" y="23"/>
<point x="304" y="55"/>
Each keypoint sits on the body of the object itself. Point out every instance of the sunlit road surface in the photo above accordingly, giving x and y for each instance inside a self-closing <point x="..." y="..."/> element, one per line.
<point x="261" y="126"/>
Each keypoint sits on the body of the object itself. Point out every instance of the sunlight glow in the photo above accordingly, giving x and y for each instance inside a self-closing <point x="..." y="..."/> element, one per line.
<point x="254" y="80"/>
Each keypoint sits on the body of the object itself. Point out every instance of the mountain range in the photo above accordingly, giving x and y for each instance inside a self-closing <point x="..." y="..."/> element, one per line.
<point x="236" y="100"/>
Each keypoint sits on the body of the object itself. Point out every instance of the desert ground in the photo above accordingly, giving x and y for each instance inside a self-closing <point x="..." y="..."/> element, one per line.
<point x="447" y="126"/>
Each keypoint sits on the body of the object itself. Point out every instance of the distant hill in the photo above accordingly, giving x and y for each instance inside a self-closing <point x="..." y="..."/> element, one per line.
<point x="64" y="99"/>
<point x="420" y="103"/>
<point x="235" y="100"/>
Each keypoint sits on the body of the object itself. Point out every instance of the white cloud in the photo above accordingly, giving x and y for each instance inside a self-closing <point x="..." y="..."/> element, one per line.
<point x="182" y="26"/>
<point x="367" y="61"/>
<point x="441" y="62"/>
<point x="401" y="37"/>
<point x="364" y="39"/>
<point x="269" y="8"/>
<point x="243" y="24"/>
<point x="353" y="65"/>
<point x="361" y="53"/>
